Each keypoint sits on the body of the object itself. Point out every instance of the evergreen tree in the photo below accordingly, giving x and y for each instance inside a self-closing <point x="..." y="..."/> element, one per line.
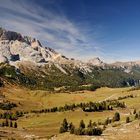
<point x="139" y="115"/>
<point x="6" y="122"/>
<point x="3" y="124"/>
<point x="11" y="124"/>
<point x="136" y="116"/>
<point x="116" y="116"/>
<point x="64" y="126"/>
<point x="127" y="119"/>
<point x="72" y="129"/>
<point x="106" y="121"/>
<point x="82" y="124"/>
<point x="15" y="125"/>
<point x="70" y="125"/>
<point x="90" y="124"/>
<point x="134" y="112"/>
<point x="94" y="124"/>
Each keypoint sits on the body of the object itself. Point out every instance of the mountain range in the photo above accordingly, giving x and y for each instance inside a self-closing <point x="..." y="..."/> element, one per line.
<point x="24" y="60"/>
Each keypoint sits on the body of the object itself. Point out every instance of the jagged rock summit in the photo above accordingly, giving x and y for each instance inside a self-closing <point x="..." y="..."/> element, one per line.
<point x="16" y="48"/>
<point x="96" y="62"/>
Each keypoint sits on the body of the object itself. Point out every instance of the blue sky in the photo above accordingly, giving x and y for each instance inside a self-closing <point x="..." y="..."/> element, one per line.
<point x="81" y="29"/>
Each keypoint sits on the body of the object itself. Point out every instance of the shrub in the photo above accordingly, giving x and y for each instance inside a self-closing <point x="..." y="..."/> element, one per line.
<point x="106" y="121"/>
<point x="93" y="131"/>
<point x="62" y="130"/>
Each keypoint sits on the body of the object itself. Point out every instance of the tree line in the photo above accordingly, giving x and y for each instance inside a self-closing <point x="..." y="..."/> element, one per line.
<point x="8" y="123"/>
<point x="7" y="105"/>
<point x="127" y="96"/>
<point x="11" y="115"/>
<point x="86" y="107"/>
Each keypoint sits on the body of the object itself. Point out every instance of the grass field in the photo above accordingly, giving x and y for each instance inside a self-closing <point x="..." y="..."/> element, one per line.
<point x="47" y="124"/>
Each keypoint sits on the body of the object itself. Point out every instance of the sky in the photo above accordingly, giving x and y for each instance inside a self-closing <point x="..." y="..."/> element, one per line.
<point x="80" y="29"/>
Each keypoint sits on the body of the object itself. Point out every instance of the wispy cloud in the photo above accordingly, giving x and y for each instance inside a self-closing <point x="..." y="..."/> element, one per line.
<point x="53" y="29"/>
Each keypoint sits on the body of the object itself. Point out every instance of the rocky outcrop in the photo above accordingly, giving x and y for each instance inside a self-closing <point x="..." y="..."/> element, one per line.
<point x="96" y="62"/>
<point x="3" y="59"/>
<point x="15" y="47"/>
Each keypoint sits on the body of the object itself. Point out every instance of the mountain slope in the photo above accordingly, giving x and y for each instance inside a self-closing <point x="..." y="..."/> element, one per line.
<point x="29" y="63"/>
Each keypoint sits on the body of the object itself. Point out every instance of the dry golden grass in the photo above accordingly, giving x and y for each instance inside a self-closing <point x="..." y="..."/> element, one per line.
<point x="46" y="125"/>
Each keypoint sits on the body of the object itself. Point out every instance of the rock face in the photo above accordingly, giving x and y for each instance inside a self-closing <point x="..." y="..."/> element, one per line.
<point x="96" y="62"/>
<point x="3" y="59"/>
<point x="16" y="48"/>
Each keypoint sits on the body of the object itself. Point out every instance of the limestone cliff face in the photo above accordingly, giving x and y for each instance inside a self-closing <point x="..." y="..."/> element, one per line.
<point x="16" y="48"/>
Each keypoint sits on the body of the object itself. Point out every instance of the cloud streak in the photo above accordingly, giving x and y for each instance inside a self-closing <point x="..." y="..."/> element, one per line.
<point x="53" y="29"/>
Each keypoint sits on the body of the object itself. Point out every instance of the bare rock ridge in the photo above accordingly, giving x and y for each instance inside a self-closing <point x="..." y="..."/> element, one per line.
<point x="96" y="62"/>
<point x="15" y="48"/>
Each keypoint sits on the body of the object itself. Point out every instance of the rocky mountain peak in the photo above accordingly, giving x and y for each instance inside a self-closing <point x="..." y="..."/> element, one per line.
<point x="95" y="62"/>
<point x="17" y="48"/>
<point x="10" y="35"/>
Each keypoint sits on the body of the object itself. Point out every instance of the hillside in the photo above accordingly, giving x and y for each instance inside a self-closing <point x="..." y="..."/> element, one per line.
<point x="45" y="125"/>
<point x="25" y="61"/>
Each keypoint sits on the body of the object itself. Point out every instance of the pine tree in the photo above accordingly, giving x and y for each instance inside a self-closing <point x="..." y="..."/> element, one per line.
<point x="70" y="125"/>
<point x="3" y="124"/>
<point x="139" y="115"/>
<point x="106" y="121"/>
<point x="64" y="126"/>
<point x="136" y="116"/>
<point x="127" y="119"/>
<point x="94" y="124"/>
<point x="11" y="124"/>
<point x="134" y="112"/>
<point x="72" y="129"/>
<point x="15" y="125"/>
<point x="90" y="124"/>
<point x="6" y="122"/>
<point x="116" y="116"/>
<point x="82" y="124"/>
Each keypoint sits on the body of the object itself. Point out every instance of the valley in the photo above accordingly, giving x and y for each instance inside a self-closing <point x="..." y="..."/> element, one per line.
<point x="46" y="125"/>
<point x="45" y="95"/>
